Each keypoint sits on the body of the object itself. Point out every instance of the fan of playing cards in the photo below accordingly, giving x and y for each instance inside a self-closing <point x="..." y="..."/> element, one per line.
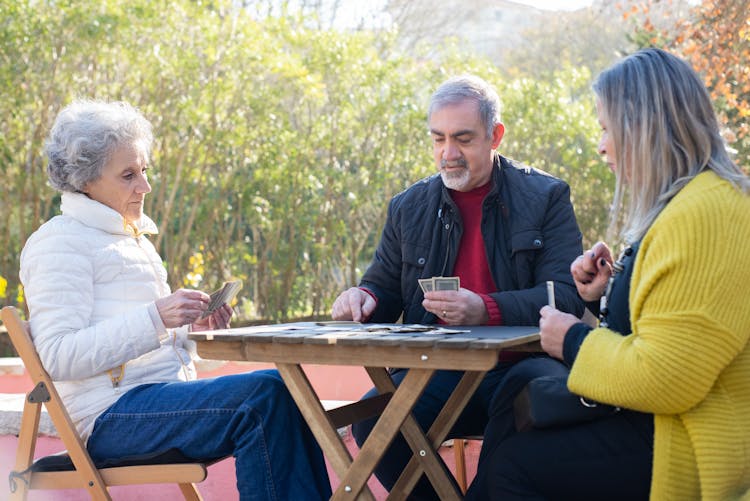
<point x="440" y="284"/>
<point x="222" y="296"/>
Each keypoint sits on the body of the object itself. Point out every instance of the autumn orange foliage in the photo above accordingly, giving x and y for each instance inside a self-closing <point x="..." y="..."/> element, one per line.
<point x="715" y="40"/>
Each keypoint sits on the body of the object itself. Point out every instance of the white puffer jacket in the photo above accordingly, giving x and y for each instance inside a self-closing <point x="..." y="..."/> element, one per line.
<point x="90" y="283"/>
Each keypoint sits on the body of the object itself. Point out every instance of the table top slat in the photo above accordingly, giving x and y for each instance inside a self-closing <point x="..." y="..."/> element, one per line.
<point x="503" y="343"/>
<point x="422" y="341"/>
<point x="330" y="337"/>
<point x="293" y="337"/>
<point x="255" y="337"/>
<point x="360" y="339"/>
<point x="455" y="342"/>
<point x="386" y="340"/>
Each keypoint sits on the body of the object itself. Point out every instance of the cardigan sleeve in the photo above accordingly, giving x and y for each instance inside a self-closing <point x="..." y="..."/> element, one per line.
<point x="689" y="311"/>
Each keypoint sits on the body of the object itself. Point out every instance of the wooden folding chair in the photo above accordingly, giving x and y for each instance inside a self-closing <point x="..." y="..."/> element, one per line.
<point x="79" y="471"/>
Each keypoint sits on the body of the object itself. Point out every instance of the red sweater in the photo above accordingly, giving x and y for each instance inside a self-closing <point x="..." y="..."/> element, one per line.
<point x="471" y="261"/>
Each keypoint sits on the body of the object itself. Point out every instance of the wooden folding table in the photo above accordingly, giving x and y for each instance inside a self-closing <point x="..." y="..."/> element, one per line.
<point x="376" y="347"/>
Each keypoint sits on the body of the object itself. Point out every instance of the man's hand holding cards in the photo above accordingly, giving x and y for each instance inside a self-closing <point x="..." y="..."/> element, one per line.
<point x="222" y="296"/>
<point x="444" y="297"/>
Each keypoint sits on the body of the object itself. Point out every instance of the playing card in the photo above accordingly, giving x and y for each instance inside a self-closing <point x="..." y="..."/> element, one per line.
<point x="551" y="293"/>
<point x="426" y="284"/>
<point x="222" y="296"/>
<point x="447" y="283"/>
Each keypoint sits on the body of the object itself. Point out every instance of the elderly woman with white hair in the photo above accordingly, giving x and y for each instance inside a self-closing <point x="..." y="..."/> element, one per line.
<point x="113" y="336"/>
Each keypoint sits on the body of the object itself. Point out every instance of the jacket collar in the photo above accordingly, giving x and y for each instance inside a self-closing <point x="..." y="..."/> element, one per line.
<point x="99" y="216"/>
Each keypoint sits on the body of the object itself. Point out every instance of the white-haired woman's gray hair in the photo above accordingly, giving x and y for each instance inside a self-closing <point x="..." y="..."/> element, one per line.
<point x="85" y="134"/>
<point x="460" y="88"/>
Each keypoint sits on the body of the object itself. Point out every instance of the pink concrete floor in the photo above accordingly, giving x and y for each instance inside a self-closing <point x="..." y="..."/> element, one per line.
<point x="329" y="382"/>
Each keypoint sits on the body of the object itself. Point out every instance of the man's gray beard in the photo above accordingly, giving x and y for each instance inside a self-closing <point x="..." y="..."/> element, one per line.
<point x="455" y="181"/>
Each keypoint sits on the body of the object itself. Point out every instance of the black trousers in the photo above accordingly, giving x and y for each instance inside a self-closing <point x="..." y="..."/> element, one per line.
<point x="606" y="459"/>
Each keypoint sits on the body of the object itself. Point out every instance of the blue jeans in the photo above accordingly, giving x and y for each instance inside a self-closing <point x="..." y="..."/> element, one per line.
<point x="472" y="421"/>
<point x="251" y="416"/>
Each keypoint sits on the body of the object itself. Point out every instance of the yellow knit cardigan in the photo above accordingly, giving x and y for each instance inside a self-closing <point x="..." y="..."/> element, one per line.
<point x="688" y="358"/>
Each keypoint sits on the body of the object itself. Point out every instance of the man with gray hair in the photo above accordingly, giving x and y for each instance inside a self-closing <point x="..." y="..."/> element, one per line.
<point x="503" y="229"/>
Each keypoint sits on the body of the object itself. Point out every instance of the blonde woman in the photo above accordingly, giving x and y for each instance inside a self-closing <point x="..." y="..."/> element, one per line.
<point x="672" y="347"/>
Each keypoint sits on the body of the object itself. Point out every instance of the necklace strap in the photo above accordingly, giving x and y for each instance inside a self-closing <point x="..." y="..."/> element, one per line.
<point x="617" y="268"/>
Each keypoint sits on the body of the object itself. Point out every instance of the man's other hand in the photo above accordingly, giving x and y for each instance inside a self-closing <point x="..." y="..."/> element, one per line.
<point x="353" y="304"/>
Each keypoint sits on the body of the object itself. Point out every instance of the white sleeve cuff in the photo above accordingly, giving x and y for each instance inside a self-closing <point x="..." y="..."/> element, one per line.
<point x="161" y="330"/>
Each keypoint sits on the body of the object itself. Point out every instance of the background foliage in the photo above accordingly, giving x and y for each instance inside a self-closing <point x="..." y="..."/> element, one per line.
<point x="278" y="140"/>
<point x="715" y="39"/>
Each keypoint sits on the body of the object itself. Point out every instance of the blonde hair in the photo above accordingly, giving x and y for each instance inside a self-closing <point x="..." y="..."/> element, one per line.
<point x="665" y="133"/>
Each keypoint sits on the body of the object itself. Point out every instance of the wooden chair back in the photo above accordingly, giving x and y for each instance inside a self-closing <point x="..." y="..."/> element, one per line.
<point x="85" y="475"/>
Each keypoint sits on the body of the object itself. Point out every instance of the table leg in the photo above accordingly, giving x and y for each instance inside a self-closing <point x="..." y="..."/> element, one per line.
<point x="320" y="424"/>
<point x="436" y="435"/>
<point x="383" y="432"/>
